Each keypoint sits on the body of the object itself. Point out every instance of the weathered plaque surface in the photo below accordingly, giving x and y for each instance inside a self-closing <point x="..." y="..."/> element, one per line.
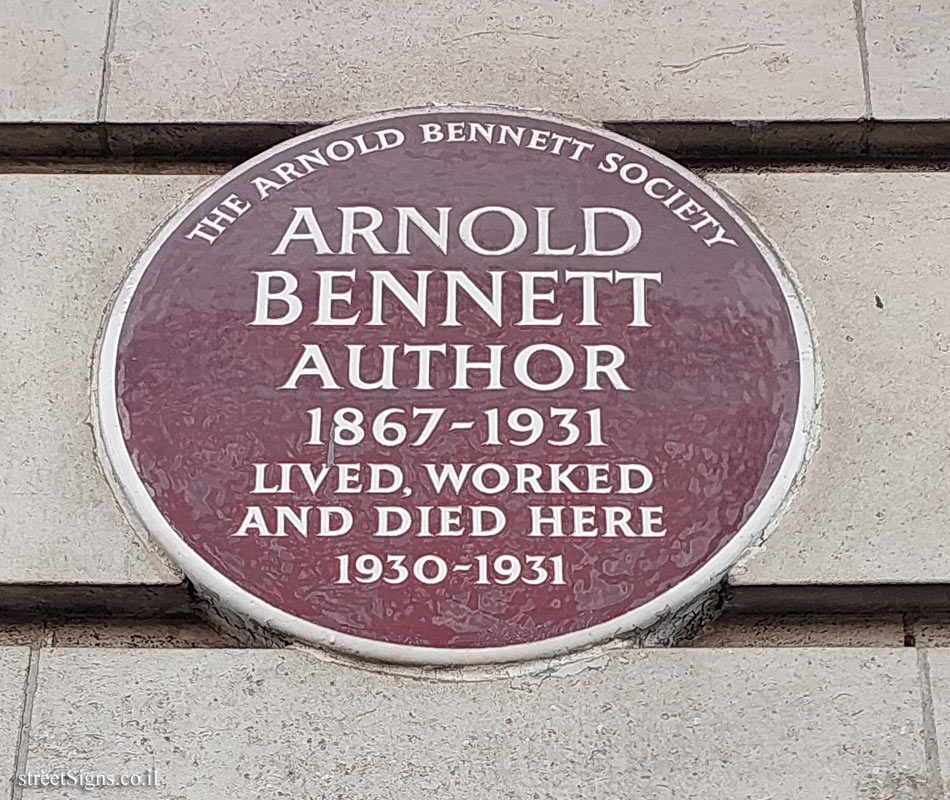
<point x="456" y="385"/>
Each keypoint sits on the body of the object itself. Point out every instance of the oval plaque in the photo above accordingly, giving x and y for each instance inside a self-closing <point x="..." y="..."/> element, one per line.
<point x="456" y="386"/>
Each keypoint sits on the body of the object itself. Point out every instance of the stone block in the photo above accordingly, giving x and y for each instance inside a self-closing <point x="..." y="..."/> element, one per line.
<point x="278" y="61"/>
<point x="743" y="724"/>
<point x="51" y="60"/>
<point x="866" y="248"/>
<point x="869" y="253"/>
<point x="14" y="668"/>
<point x="909" y="59"/>
<point x="938" y="706"/>
<point x="68" y="243"/>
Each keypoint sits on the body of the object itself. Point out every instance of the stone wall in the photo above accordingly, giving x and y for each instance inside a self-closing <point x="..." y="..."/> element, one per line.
<point x="826" y="676"/>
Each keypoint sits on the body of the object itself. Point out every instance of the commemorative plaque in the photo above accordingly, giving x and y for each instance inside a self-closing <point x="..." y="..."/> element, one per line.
<point x="456" y="386"/>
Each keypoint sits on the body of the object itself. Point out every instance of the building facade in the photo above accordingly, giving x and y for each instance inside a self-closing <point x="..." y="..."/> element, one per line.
<point x="816" y="668"/>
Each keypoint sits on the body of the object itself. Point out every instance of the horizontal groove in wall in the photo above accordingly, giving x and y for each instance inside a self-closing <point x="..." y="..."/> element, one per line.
<point x="731" y="629"/>
<point x="849" y="599"/>
<point x="213" y="147"/>
<point x="37" y="601"/>
<point x="42" y="601"/>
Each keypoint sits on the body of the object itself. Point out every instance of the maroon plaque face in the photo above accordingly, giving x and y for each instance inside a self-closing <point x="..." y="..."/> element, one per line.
<point x="455" y="386"/>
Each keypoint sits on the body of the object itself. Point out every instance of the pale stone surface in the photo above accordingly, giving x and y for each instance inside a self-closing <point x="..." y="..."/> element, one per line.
<point x="909" y="58"/>
<point x="68" y="243"/>
<point x="801" y="630"/>
<point x="51" y="59"/>
<point x="276" y="60"/>
<point x="869" y="251"/>
<point x="743" y="724"/>
<point x="14" y="665"/>
<point x="938" y="666"/>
